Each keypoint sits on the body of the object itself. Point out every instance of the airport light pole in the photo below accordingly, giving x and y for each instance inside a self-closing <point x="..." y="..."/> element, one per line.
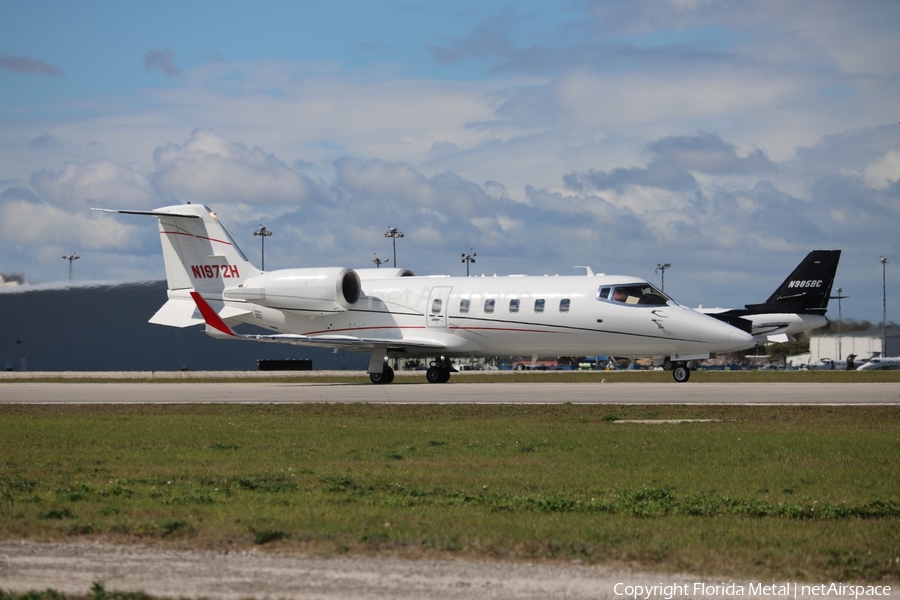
<point x="70" y="258"/>
<point x="661" y="268"/>
<point x="884" y="263"/>
<point x="468" y="258"/>
<point x="393" y="233"/>
<point x="263" y="233"/>
<point x="378" y="262"/>
<point x="839" y="297"/>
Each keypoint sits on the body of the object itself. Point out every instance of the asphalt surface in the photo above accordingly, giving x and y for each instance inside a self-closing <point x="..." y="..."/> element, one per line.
<point x="453" y="393"/>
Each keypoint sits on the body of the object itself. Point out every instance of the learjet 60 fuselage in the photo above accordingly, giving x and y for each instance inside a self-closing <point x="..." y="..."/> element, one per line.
<point x="391" y="313"/>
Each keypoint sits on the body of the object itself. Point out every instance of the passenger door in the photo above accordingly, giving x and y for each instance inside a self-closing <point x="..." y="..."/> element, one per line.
<point x="436" y="311"/>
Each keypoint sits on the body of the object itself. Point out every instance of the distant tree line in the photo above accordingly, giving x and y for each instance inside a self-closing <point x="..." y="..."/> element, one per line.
<point x="852" y="326"/>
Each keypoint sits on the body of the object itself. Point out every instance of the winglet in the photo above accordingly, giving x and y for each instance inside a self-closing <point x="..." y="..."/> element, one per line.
<point x="210" y="316"/>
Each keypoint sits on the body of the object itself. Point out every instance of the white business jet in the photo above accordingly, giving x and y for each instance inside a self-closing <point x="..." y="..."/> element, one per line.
<point x="884" y="363"/>
<point x="391" y="313"/>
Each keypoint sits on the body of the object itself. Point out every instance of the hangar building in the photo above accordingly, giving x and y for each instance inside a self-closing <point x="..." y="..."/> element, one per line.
<point x="103" y="327"/>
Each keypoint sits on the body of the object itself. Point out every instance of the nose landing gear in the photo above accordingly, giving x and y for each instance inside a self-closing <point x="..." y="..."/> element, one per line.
<point x="680" y="370"/>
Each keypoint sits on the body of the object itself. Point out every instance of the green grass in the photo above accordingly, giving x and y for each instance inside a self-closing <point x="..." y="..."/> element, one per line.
<point x="784" y="492"/>
<point x="98" y="592"/>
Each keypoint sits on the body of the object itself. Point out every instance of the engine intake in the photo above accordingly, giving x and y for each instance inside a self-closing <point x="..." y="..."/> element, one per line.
<point x="315" y="291"/>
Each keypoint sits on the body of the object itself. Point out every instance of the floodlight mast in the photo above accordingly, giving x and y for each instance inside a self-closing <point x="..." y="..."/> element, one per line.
<point x="661" y="268"/>
<point x="884" y="263"/>
<point x="263" y="233"/>
<point x="70" y="258"/>
<point x="393" y="233"/>
<point x="840" y="296"/>
<point x="468" y="259"/>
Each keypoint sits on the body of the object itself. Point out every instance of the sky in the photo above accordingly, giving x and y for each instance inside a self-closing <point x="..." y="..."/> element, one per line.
<point x="726" y="138"/>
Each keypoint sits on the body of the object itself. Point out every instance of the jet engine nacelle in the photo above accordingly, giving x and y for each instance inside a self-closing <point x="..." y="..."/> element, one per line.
<point x="314" y="291"/>
<point x="373" y="274"/>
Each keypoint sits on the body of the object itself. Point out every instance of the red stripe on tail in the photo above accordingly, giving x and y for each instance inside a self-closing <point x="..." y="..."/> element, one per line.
<point x="210" y="316"/>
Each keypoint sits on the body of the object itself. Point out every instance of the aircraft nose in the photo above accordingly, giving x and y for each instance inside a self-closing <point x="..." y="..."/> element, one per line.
<point x="740" y="340"/>
<point x="727" y="338"/>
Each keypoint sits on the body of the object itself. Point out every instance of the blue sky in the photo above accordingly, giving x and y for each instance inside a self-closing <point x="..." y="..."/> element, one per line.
<point x="726" y="138"/>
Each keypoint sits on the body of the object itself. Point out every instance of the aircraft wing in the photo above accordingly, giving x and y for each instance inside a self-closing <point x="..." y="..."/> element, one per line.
<point x="216" y="327"/>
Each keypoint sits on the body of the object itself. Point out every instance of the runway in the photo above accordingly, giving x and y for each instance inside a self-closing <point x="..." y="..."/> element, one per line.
<point x="453" y="393"/>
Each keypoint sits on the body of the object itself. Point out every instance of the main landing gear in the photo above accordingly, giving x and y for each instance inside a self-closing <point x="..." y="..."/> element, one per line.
<point x="680" y="370"/>
<point x="438" y="372"/>
<point x="386" y="376"/>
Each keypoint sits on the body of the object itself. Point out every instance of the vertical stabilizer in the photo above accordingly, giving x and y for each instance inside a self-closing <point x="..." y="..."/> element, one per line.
<point x="807" y="289"/>
<point x="199" y="253"/>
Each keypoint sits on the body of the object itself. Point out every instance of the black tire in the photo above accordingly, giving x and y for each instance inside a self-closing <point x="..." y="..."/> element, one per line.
<point x="437" y="375"/>
<point x="434" y="374"/>
<point x="681" y="373"/>
<point x="386" y="376"/>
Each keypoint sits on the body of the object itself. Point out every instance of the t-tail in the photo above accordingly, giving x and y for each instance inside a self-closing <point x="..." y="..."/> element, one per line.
<point x="798" y="305"/>
<point x="199" y="254"/>
<point x="807" y="289"/>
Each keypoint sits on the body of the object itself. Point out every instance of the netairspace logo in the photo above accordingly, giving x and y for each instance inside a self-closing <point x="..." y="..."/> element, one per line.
<point x="750" y="590"/>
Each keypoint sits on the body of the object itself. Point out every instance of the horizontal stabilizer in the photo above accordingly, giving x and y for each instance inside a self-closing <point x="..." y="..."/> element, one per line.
<point x="177" y="313"/>
<point x="152" y="213"/>
<point x="778" y="338"/>
<point x="183" y="312"/>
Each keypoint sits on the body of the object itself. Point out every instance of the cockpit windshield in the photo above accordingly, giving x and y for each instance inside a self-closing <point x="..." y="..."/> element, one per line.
<point x="642" y="294"/>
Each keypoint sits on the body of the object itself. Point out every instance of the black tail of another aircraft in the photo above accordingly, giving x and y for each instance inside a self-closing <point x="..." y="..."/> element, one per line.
<point x="807" y="289"/>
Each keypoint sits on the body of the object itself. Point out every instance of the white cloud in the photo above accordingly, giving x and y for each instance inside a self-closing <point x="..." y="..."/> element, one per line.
<point x="100" y="183"/>
<point x="884" y="172"/>
<point x="47" y="226"/>
<point x="209" y="168"/>
<point x="696" y="132"/>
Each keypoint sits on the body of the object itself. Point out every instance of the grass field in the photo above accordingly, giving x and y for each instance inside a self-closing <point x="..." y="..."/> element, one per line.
<point x="783" y="492"/>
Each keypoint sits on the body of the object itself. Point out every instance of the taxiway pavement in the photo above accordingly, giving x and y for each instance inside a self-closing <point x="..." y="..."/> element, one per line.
<point x="452" y="393"/>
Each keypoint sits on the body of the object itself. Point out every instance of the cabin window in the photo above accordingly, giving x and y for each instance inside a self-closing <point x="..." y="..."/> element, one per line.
<point x="514" y="305"/>
<point x="564" y="305"/>
<point x="489" y="305"/>
<point x="539" y="305"/>
<point x="642" y="294"/>
<point x="436" y="305"/>
<point x="464" y="305"/>
<point x="603" y="293"/>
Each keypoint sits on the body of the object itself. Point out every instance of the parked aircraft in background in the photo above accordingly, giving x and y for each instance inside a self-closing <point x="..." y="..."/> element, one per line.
<point x="798" y="305"/>
<point x="887" y="363"/>
<point x="390" y="313"/>
<point x="831" y="364"/>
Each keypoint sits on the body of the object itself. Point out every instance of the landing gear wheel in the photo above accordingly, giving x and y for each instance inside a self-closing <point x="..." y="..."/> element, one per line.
<point x="437" y="375"/>
<point x="386" y="376"/>
<point x="680" y="372"/>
